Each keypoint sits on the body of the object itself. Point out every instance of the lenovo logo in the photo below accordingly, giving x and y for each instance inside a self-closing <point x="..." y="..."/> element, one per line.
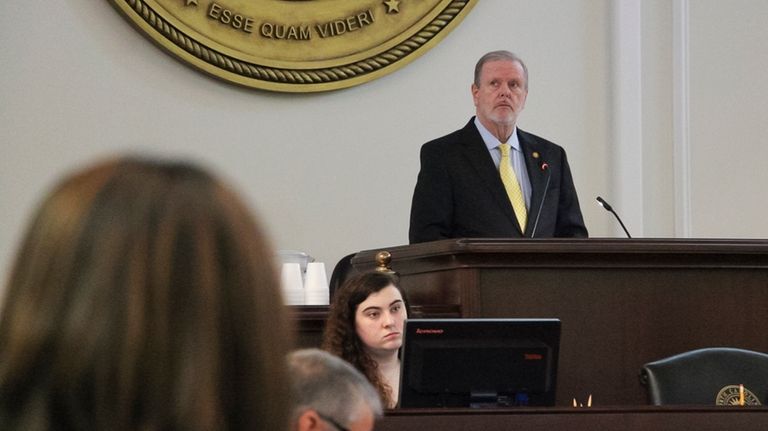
<point x="429" y="331"/>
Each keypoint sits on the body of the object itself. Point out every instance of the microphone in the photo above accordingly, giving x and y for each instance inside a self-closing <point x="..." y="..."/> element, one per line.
<point x="608" y="207"/>
<point x="545" y="168"/>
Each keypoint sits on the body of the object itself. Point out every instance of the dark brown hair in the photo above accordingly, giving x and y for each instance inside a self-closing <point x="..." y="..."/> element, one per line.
<point x="143" y="297"/>
<point x="340" y="337"/>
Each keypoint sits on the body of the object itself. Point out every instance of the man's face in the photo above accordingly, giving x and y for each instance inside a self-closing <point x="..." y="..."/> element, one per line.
<point x="502" y="92"/>
<point x="365" y="422"/>
<point x="312" y="420"/>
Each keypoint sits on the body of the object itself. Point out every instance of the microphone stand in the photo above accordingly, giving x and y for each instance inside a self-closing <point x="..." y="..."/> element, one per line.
<point x="608" y="207"/>
<point x="544" y="167"/>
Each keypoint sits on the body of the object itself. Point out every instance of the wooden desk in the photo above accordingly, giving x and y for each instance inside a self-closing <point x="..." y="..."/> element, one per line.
<point x="566" y="419"/>
<point x="622" y="303"/>
<point x="308" y="322"/>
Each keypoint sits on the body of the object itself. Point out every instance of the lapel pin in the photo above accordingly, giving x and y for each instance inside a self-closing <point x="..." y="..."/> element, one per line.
<point x="535" y="154"/>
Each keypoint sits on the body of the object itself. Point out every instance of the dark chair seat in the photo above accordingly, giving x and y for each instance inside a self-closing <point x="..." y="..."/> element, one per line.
<point x="698" y="376"/>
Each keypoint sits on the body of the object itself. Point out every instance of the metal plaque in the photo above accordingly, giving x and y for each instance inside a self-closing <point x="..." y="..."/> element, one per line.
<point x="296" y="45"/>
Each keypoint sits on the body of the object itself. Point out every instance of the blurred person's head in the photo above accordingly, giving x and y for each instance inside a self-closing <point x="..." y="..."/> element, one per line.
<point x="143" y="297"/>
<point x="330" y="394"/>
<point x="365" y="322"/>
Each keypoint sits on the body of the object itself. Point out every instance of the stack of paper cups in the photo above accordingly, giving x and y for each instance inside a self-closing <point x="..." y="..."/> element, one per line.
<point x="290" y="279"/>
<point x="316" y="284"/>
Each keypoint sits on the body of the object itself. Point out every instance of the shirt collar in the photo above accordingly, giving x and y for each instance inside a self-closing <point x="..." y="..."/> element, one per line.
<point x="492" y="142"/>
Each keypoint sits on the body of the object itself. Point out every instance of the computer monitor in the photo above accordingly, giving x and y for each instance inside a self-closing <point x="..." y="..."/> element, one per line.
<point x="479" y="362"/>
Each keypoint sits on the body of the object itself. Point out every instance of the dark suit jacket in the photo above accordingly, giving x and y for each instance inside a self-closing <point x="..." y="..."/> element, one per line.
<point x="459" y="193"/>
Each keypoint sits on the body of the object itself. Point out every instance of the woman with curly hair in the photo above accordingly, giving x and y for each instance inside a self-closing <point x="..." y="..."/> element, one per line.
<point x="365" y="328"/>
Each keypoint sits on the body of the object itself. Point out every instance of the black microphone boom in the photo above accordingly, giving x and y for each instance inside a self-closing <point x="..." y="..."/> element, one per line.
<point x="544" y="167"/>
<point x="608" y="207"/>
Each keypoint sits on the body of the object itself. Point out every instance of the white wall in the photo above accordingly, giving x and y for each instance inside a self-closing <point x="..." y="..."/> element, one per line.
<point x="729" y="118"/>
<point x="333" y="173"/>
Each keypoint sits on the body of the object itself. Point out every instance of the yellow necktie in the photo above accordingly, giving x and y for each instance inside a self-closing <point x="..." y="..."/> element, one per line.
<point x="509" y="179"/>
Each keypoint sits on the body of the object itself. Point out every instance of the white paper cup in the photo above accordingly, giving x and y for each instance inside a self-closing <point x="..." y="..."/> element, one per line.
<point x="293" y="288"/>
<point x="316" y="284"/>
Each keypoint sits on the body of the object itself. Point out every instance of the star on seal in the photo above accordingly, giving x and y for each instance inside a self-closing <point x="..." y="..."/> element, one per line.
<point x="191" y="2"/>
<point x="393" y="6"/>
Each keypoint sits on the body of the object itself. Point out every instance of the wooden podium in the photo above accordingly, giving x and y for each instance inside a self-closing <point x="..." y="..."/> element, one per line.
<point x="622" y="302"/>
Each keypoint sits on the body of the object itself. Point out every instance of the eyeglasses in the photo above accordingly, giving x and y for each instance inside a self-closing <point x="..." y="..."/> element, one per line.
<point x="331" y="421"/>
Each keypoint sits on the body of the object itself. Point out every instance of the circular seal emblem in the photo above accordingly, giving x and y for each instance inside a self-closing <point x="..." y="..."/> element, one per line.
<point x="296" y="45"/>
<point x="729" y="396"/>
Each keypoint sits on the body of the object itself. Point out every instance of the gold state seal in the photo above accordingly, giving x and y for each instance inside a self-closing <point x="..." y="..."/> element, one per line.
<point x="730" y="396"/>
<point x="296" y="45"/>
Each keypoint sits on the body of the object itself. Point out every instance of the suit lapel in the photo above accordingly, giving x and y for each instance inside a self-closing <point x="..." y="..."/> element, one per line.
<point x="481" y="161"/>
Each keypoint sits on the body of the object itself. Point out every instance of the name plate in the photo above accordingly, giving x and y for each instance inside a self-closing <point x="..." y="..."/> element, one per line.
<point x="296" y="45"/>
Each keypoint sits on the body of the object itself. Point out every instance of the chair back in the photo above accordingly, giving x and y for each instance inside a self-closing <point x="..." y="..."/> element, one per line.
<point x="341" y="272"/>
<point x="707" y="376"/>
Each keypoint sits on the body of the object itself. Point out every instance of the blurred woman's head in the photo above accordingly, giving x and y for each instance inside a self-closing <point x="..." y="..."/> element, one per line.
<point x="143" y="297"/>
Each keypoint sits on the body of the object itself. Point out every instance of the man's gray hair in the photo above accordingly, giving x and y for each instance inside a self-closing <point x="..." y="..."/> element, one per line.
<point x="331" y="386"/>
<point x="499" y="56"/>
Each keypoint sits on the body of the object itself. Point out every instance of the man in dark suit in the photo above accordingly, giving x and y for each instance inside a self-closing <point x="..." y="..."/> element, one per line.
<point x="460" y="192"/>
